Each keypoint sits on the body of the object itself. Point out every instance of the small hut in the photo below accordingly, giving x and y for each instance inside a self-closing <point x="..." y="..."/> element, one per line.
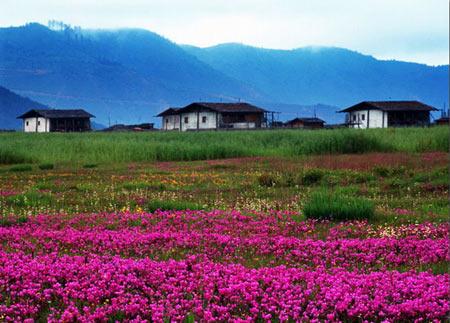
<point x="56" y="120"/>
<point x="305" y="123"/>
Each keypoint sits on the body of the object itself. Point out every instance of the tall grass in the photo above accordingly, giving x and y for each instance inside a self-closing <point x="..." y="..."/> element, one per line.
<point x="162" y="146"/>
<point x="334" y="206"/>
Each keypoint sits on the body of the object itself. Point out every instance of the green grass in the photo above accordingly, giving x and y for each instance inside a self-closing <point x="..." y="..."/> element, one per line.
<point x="152" y="206"/>
<point x="46" y="166"/>
<point x="95" y="148"/>
<point x="21" y="168"/>
<point x="31" y="198"/>
<point x="132" y="186"/>
<point x="333" y="206"/>
<point x="90" y="166"/>
<point x="10" y="154"/>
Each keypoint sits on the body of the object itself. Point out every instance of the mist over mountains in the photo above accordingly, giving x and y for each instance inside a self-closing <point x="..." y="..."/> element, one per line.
<point x="129" y="75"/>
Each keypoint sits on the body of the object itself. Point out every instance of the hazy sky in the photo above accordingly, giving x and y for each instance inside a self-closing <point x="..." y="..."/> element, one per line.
<point x="411" y="30"/>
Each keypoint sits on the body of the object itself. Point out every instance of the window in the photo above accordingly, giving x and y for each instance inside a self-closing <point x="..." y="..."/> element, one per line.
<point x="167" y="120"/>
<point x="27" y="123"/>
<point x="39" y="123"/>
<point x="186" y="120"/>
<point x="203" y="119"/>
<point x="363" y="117"/>
<point x="354" y="117"/>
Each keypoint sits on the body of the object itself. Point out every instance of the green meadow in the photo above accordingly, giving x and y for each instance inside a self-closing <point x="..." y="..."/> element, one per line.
<point x="104" y="148"/>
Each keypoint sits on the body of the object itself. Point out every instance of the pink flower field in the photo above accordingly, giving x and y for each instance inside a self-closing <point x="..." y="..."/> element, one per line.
<point x="221" y="266"/>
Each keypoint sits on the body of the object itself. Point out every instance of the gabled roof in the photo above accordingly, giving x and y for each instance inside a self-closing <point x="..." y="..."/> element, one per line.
<point x="56" y="114"/>
<point x="443" y="119"/>
<point x="239" y="107"/>
<point x="390" y="106"/>
<point x="168" y="112"/>
<point x="306" y="120"/>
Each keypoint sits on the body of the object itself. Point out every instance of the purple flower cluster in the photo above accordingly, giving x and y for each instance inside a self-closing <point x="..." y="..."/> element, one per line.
<point x="95" y="288"/>
<point x="7" y="193"/>
<point x="274" y="250"/>
<point x="219" y="266"/>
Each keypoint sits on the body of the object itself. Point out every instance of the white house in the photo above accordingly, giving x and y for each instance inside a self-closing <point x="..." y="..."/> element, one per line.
<point x="383" y="114"/>
<point x="211" y="116"/>
<point x="54" y="120"/>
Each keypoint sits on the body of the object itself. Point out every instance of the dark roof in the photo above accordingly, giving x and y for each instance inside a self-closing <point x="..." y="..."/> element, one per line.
<point x="390" y="106"/>
<point x="443" y="119"/>
<point x="56" y="114"/>
<point x="306" y="120"/>
<point x="130" y="127"/>
<point x="240" y="107"/>
<point x="168" y="112"/>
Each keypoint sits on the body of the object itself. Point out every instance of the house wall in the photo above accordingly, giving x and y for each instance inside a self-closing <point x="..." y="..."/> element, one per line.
<point x="171" y="122"/>
<point x="296" y="125"/>
<point x="244" y="125"/>
<point x="409" y="118"/>
<point x="43" y="125"/>
<point x="372" y="119"/>
<point x="376" y="119"/>
<point x="210" y="122"/>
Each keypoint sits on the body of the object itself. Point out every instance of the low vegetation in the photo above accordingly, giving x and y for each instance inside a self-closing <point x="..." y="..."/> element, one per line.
<point x="103" y="240"/>
<point x="324" y="205"/>
<point x="155" y="205"/>
<point x="46" y="166"/>
<point x="402" y="187"/>
<point x="21" y="168"/>
<point x="98" y="148"/>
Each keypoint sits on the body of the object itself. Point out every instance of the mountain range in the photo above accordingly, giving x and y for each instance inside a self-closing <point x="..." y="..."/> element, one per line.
<point x="129" y="75"/>
<point x="12" y="105"/>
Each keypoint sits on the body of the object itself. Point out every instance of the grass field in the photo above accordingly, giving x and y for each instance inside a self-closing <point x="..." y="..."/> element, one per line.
<point x="144" y="147"/>
<point x="415" y="184"/>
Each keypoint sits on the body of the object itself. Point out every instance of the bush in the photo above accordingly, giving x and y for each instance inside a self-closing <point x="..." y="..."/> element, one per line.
<point x="267" y="180"/>
<point x="8" y="157"/>
<point x="21" y="168"/>
<point x="326" y="205"/>
<point x="46" y="166"/>
<point x="9" y="221"/>
<point x="222" y="167"/>
<point x="311" y="176"/>
<point x="31" y="198"/>
<point x="381" y="171"/>
<point x="132" y="186"/>
<point x="154" y="205"/>
<point x="90" y="166"/>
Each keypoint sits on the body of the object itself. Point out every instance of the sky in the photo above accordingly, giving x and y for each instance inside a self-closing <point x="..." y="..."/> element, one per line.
<point x="409" y="30"/>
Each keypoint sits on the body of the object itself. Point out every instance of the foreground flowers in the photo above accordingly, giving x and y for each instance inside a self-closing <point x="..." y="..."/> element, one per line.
<point x="219" y="266"/>
<point x="102" y="288"/>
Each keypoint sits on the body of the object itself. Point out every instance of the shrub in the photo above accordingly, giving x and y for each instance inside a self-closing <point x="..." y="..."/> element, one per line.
<point x="8" y="157"/>
<point x="90" y="166"/>
<point x="267" y="180"/>
<point x="390" y="171"/>
<point x="132" y="186"/>
<point x="46" y="166"/>
<point x="154" y="205"/>
<point x="326" y="205"/>
<point x="359" y="177"/>
<point x="222" y="167"/>
<point x="31" y="198"/>
<point x="21" y="168"/>
<point x="311" y="176"/>
<point x="8" y="221"/>
<point x="397" y="183"/>
<point x="381" y="171"/>
<point x="44" y="186"/>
